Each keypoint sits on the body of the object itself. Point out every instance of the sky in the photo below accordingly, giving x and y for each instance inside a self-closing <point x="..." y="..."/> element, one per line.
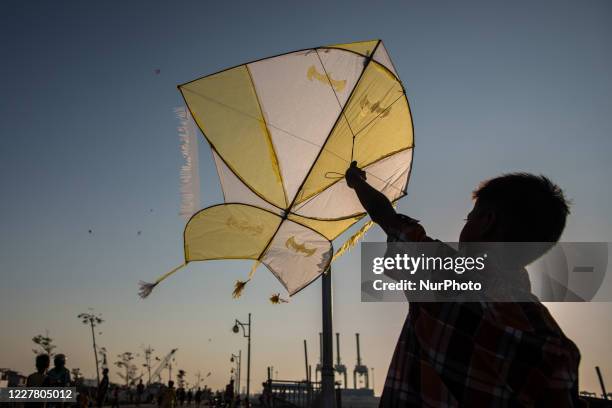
<point x="88" y="141"/>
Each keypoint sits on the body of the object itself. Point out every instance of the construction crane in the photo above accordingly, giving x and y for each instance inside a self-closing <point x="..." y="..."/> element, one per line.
<point x="360" y="369"/>
<point x="156" y="376"/>
<point x="340" y="368"/>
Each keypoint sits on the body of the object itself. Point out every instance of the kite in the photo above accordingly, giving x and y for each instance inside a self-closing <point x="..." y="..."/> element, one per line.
<point x="283" y="130"/>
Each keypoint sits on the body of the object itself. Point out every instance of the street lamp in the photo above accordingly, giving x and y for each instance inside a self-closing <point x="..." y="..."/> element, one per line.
<point x="246" y="333"/>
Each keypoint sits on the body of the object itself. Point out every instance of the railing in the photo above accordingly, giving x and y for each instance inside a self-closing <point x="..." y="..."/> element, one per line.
<point x="301" y="394"/>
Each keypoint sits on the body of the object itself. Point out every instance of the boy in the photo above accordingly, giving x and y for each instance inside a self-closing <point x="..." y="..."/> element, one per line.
<point x="479" y="354"/>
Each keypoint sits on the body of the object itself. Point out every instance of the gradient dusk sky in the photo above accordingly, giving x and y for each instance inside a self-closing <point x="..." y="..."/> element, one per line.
<point x="89" y="142"/>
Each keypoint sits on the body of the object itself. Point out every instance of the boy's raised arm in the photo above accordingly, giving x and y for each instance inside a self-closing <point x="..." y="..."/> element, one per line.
<point x="377" y="205"/>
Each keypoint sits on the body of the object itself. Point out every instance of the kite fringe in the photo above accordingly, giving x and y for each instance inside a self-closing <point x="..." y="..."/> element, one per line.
<point x="277" y="299"/>
<point x="189" y="175"/>
<point x="353" y="240"/>
<point x="145" y="288"/>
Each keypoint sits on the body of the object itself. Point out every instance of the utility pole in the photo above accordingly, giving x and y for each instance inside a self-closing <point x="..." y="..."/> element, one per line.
<point x="306" y="360"/>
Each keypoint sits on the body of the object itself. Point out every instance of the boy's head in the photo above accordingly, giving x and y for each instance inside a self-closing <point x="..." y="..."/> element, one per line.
<point x="59" y="360"/>
<point x="42" y="362"/>
<point x="517" y="207"/>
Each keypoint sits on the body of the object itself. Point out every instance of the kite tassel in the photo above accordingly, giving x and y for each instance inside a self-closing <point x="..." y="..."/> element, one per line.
<point x="353" y="240"/>
<point x="145" y="288"/>
<point x="277" y="299"/>
<point x="239" y="285"/>
<point x="238" y="288"/>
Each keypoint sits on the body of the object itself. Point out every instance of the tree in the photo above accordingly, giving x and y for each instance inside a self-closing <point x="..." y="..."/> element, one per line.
<point x="148" y="356"/>
<point x="76" y="375"/>
<point x="125" y="362"/>
<point x="45" y="343"/>
<point x="181" y="378"/>
<point x="92" y="320"/>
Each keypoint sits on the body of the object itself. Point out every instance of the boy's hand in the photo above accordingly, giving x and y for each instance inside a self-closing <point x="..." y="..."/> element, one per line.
<point x="354" y="174"/>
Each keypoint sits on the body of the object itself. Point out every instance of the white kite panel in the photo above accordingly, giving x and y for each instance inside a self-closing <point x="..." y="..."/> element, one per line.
<point x="300" y="105"/>
<point x="235" y="191"/>
<point x="297" y="255"/>
<point x="388" y="176"/>
<point x="382" y="57"/>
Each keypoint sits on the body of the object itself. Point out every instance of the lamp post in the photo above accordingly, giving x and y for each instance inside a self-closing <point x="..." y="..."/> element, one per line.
<point x="237" y="358"/>
<point x="327" y="352"/>
<point x="246" y="333"/>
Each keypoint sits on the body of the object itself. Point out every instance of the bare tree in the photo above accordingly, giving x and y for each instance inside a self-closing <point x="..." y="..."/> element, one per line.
<point x="102" y="354"/>
<point x="181" y="377"/>
<point x="148" y="356"/>
<point x="76" y="375"/>
<point x="125" y="362"/>
<point x="92" y="320"/>
<point x="45" y="343"/>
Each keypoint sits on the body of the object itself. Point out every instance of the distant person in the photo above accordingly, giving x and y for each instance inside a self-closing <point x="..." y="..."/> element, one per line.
<point x="198" y="397"/>
<point x="59" y="375"/>
<point x="115" y="399"/>
<point x="168" y="397"/>
<point x="180" y="393"/>
<point x="228" y="396"/>
<point x="265" y="399"/>
<point x="189" y="397"/>
<point x="471" y="354"/>
<point x="102" y="388"/>
<point x="139" y="391"/>
<point x="83" y="400"/>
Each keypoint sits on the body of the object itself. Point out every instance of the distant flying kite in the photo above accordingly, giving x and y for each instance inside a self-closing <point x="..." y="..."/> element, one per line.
<point x="283" y="131"/>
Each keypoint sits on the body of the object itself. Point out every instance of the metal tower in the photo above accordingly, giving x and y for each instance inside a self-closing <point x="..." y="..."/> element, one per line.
<point x="339" y="367"/>
<point x="360" y="369"/>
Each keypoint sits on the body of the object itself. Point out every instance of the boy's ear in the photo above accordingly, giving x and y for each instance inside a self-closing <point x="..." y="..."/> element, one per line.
<point x="489" y="222"/>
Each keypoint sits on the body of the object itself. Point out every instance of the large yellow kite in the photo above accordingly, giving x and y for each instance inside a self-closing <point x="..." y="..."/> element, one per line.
<point x="283" y="130"/>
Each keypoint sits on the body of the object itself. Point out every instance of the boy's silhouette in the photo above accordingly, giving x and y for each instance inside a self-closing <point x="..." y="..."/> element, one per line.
<point x="59" y="375"/>
<point x="458" y="354"/>
<point x="38" y="378"/>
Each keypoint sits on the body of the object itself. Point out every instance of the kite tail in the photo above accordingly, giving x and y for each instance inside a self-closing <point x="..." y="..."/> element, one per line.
<point x="353" y="240"/>
<point x="277" y="299"/>
<point x="146" y="287"/>
<point x="239" y="285"/>
<point x="190" y="177"/>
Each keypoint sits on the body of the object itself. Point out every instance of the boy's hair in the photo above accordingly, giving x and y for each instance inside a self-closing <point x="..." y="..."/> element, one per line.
<point x="532" y="208"/>
<point x="42" y="360"/>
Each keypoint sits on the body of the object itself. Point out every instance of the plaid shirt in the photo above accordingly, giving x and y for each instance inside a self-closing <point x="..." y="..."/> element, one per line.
<point x="481" y="355"/>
